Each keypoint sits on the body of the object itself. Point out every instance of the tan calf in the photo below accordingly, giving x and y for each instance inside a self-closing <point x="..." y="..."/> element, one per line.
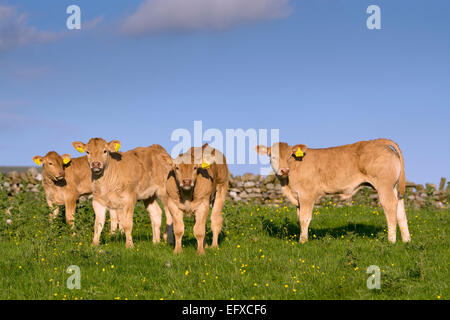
<point x="119" y="180"/>
<point x="307" y="174"/>
<point x="64" y="180"/>
<point x="154" y="160"/>
<point x="197" y="177"/>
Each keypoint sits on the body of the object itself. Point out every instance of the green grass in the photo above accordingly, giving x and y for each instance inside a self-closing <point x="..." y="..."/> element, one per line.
<point x="259" y="256"/>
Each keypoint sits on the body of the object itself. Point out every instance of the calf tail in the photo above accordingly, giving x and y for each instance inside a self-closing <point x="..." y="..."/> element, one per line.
<point x="402" y="179"/>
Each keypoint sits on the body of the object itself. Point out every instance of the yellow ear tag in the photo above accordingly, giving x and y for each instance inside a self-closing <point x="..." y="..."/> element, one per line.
<point x="38" y="161"/>
<point x="299" y="153"/>
<point x="80" y="149"/>
<point x="205" y="165"/>
<point x="116" y="146"/>
<point x="66" y="160"/>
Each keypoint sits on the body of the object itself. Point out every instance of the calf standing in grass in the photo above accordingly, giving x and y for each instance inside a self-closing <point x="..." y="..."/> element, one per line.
<point x="64" y="180"/>
<point x="120" y="179"/>
<point x="197" y="177"/>
<point x="307" y="174"/>
<point x="154" y="160"/>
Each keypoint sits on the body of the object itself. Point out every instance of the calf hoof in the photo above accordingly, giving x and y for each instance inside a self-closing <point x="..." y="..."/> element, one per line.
<point x="95" y="243"/>
<point x="177" y="250"/>
<point x="303" y="240"/>
<point x="392" y="240"/>
<point x="406" y="239"/>
<point x="129" y="245"/>
<point x="200" y="252"/>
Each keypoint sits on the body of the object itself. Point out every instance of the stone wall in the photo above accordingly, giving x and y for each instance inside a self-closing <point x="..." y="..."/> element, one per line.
<point x="266" y="190"/>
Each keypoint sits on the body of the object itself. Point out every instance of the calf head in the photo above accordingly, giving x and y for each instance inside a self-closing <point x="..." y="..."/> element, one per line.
<point x="187" y="166"/>
<point x="281" y="154"/>
<point x="98" y="152"/>
<point x="53" y="165"/>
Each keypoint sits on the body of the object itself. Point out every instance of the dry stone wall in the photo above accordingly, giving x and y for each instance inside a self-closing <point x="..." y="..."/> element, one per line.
<point x="264" y="190"/>
<point x="267" y="190"/>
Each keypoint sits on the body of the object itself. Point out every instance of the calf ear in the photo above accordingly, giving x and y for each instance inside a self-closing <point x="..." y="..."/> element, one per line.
<point x="208" y="160"/>
<point x="66" y="158"/>
<point x="114" y="146"/>
<point x="262" y="150"/>
<point x="210" y="156"/>
<point x="299" y="151"/>
<point x="79" y="146"/>
<point x="38" y="160"/>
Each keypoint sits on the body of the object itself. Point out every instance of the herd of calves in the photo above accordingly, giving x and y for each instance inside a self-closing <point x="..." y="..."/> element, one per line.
<point x="198" y="179"/>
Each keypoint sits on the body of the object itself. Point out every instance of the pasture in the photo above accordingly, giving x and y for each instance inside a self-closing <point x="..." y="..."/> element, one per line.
<point x="259" y="256"/>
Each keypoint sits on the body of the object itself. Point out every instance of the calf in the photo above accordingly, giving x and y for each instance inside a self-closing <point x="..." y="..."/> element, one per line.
<point x="64" y="180"/>
<point x="154" y="160"/>
<point x="120" y="179"/>
<point x="197" y="177"/>
<point x="307" y="174"/>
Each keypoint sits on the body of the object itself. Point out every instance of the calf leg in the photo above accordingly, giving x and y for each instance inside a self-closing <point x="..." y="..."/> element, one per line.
<point x="168" y="232"/>
<point x="390" y="204"/>
<point x="401" y="219"/>
<point x="293" y="198"/>
<point x="178" y="225"/>
<point x="201" y="215"/>
<point x="100" y="212"/>
<point x="119" y="217"/>
<point x="216" y="214"/>
<point x="54" y="208"/>
<point x="155" y="214"/>
<point x="115" y="215"/>
<point x="114" y="221"/>
<point x="71" y="205"/>
<point x="304" y="215"/>
<point x="127" y="218"/>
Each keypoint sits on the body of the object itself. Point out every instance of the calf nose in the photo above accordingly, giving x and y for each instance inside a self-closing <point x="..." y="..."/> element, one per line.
<point x="96" y="164"/>
<point x="284" y="171"/>
<point x="187" y="182"/>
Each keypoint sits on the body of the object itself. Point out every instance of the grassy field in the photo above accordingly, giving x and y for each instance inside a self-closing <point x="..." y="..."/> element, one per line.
<point x="259" y="256"/>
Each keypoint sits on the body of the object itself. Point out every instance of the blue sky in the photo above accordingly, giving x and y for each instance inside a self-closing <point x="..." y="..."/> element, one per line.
<point x="311" y="69"/>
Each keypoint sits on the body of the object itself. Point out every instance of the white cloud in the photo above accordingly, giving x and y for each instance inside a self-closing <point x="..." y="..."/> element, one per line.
<point x="185" y="15"/>
<point x="14" y="30"/>
<point x="91" y="24"/>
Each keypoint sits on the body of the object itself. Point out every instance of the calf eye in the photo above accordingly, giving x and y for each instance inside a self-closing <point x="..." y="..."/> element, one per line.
<point x="177" y="168"/>
<point x="50" y="164"/>
<point x="104" y="151"/>
<point x="87" y="152"/>
<point x="195" y="168"/>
